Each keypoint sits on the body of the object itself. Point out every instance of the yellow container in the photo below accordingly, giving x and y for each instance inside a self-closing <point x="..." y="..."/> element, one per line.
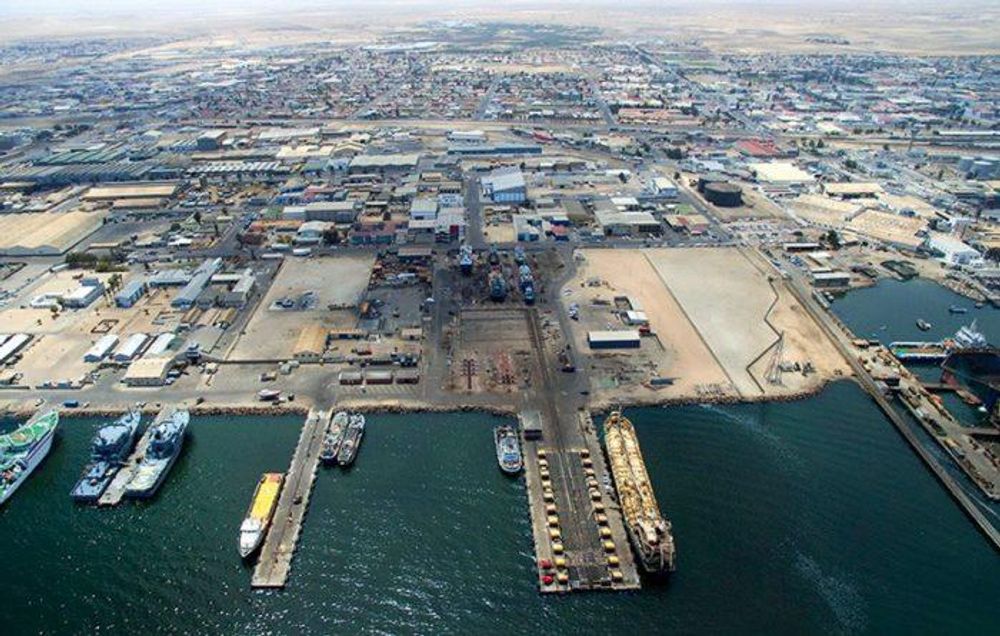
<point x="557" y="548"/>
<point x="562" y="577"/>
<point x="616" y="576"/>
<point x="560" y="562"/>
<point x="601" y="518"/>
<point x="613" y="560"/>
<point x="550" y="509"/>
<point x="605" y="533"/>
<point x="540" y="452"/>
<point x="609" y="546"/>
<point x="553" y="520"/>
<point x="555" y="534"/>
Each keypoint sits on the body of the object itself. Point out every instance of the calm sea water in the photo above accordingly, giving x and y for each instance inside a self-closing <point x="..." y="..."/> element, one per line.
<point x="809" y="517"/>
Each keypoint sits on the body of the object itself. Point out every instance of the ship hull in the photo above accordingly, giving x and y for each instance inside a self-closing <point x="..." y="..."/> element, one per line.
<point x="649" y="532"/>
<point x="32" y="460"/>
<point x="163" y="470"/>
<point x="510" y="463"/>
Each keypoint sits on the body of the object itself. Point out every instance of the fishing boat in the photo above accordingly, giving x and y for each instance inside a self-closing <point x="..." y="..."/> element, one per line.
<point x="352" y="440"/>
<point x="268" y="395"/>
<point x="923" y="325"/>
<point x="259" y="514"/>
<point x="508" y="449"/>
<point x="334" y="438"/>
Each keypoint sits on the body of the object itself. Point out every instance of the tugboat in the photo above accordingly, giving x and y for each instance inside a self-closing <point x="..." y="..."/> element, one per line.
<point x="109" y="449"/>
<point x="334" y="438"/>
<point x="923" y="325"/>
<point x="508" y="450"/>
<point x="160" y="453"/>
<point x="352" y="440"/>
<point x="259" y="514"/>
<point x="24" y="449"/>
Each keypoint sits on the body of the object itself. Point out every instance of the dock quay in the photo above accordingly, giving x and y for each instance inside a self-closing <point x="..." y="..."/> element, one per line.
<point x="841" y="338"/>
<point x="275" y="561"/>
<point x="580" y="540"/>
<point x="115" y="491"/>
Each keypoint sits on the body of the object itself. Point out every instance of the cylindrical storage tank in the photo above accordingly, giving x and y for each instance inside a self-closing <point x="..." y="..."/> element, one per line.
<point x="724" y="195"/>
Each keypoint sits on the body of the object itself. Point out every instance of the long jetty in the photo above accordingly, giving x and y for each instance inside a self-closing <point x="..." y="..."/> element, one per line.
<point x="839" y="339"/>
<point x="275" y="562"/>
<point x="579" y="536"/>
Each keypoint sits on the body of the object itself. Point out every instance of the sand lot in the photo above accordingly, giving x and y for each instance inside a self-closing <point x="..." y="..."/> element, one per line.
<point x="726" y="299"/>
<point x="684" y="355"/>
<point x="717" y="316"/>
<point x="339" y="281"/>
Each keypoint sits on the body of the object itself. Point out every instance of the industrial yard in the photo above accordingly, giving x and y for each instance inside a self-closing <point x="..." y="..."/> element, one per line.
<point x="551" y="224"/>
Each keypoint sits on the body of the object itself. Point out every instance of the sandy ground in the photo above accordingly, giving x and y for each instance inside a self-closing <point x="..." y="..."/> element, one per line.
<point x="684" y="355"/>
<point x="726" y="299"/>
<point x="709" y="309"/>
<point x="339" y="281"/>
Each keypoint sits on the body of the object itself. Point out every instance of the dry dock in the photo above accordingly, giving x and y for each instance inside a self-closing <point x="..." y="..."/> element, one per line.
<point x="115" y="491"/>
<point x="276" y="554"/>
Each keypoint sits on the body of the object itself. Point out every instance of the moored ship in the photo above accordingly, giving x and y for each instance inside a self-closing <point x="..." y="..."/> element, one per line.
<point x="352" y="440"/>
<point x="159" y="456"/>
<point x="648" y="530"/>
<point x="259" y="514"/>
<point x="109" y="449"/>
<point x="508" y="449"/>
<point x="334" y="438"/>
<point x="22" y="450"/>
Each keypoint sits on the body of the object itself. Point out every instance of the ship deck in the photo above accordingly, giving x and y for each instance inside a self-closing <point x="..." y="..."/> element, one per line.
<point x="275" y="561"/>
<point x="115" y="492"/>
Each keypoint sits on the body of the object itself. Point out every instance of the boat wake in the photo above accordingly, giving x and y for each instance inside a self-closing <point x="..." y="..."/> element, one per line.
<point x="842" y="597"/>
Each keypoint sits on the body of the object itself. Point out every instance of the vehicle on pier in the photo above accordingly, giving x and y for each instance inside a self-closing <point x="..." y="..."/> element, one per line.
<point x="649" y="532"/>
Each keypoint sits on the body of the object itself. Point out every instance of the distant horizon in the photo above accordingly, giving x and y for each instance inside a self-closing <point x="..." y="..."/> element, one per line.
<point x="924" y="27"/>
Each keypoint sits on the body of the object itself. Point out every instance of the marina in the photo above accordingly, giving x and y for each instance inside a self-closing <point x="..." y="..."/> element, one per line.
<point x="275" y="562"/>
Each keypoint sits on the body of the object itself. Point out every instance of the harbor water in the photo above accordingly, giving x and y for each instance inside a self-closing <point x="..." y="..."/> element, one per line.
<point x="805" y="517"/>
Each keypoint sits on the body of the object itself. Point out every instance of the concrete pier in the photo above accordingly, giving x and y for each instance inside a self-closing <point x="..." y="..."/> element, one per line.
<point x="275" y="561"/>
<point x="580" y="540"/>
